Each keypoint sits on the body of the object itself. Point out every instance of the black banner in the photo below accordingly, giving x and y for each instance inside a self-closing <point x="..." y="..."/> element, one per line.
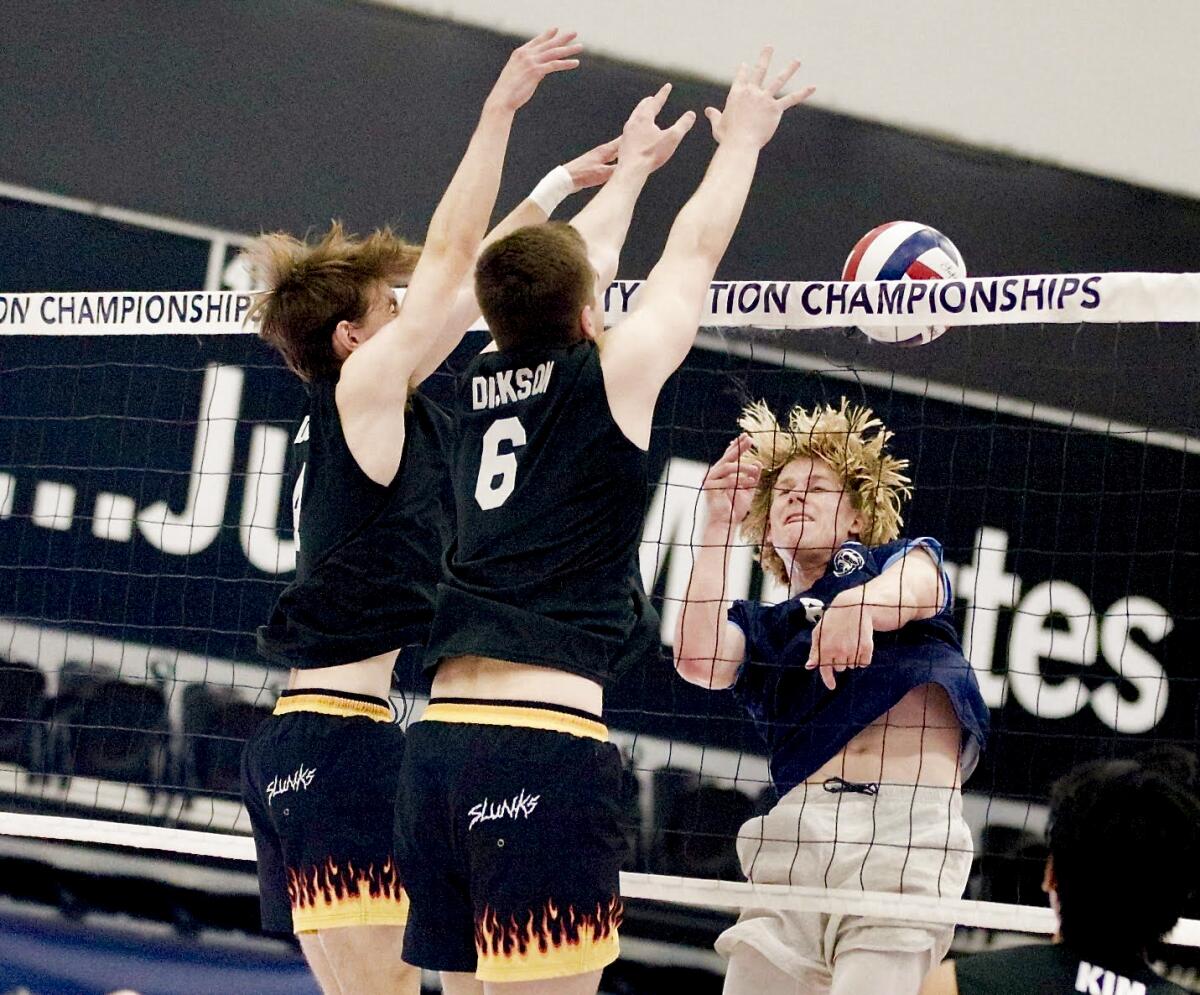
<point x="145" y="505"/>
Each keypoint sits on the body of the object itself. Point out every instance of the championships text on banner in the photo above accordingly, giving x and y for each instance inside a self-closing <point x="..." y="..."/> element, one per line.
<point x="1062" y="297"/>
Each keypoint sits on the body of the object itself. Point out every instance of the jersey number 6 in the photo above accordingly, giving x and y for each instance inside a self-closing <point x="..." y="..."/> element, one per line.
<point x="498" y="471"/>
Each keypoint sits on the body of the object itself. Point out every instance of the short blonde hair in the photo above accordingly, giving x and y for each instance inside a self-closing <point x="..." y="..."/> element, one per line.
<point x="839" y="436"/>
<point x="311" y="286"/>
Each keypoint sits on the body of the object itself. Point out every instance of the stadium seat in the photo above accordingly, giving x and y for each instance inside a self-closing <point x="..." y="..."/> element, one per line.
<point x="108" y="728"/>
<point x="216" y="725"/>
<point x="696" y="826"/>
<point x="22" y="713"/>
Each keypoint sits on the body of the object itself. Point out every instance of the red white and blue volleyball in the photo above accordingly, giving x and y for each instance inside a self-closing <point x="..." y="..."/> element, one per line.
<point x="904" y="250"/>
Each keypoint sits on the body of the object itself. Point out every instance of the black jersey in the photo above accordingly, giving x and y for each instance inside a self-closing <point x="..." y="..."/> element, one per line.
<point x="1056" y="969"/>
<point x="549" y="501"/>
<point x="369" y="555"/>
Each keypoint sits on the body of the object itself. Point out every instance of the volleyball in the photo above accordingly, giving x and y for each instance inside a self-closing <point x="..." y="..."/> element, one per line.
<point x="904" y="250"/>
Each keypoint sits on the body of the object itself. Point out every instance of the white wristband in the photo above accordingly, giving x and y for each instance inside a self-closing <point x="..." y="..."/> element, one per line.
<point x="552" y="189"/>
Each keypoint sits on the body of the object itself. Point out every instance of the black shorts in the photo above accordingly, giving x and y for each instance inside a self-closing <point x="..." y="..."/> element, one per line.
<point x="509" y="836"/>
<point x="319" y="782"/>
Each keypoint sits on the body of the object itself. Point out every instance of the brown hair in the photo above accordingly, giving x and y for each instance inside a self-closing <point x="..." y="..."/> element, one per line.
<point x="532" y="284"/>
<point x="311" y="286"/>
<point x="870" y="474"/>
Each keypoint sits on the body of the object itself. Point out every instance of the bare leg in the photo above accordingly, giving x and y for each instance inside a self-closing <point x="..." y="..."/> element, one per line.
<point x="579" y="984"/>
<point x="455" y="983"/>
<point x="366" y="960"/>
<point x="318" y="963"/>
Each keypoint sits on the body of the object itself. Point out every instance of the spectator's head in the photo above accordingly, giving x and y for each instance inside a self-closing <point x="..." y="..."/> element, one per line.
<point x="1124" y="839"/>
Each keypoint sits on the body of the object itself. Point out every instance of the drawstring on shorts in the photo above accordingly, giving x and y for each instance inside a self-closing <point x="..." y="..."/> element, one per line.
<point x="839" y="785"/>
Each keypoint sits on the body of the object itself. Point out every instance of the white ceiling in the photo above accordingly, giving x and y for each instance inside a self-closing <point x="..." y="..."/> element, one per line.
<point x="1106" y="86"/>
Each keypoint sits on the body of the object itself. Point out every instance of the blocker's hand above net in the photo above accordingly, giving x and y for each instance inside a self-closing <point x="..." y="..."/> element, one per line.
<point x="753" y="108"/>
<point x="550" y="52"/>
<point x="643" y="140"/>
<point x="594" y="167"/>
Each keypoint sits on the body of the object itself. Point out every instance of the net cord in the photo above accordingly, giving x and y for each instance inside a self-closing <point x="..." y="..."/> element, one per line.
<point x="699" y="892"/>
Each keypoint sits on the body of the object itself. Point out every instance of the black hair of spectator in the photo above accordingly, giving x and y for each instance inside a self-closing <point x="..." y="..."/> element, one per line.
<point x="1124" y="838"/>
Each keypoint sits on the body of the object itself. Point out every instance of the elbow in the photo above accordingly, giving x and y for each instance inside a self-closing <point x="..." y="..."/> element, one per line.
<point x="455" y="250"/>
<point x="694" y="670"/>
<point x="703" y="671"/>
<point x="933" y="596"/>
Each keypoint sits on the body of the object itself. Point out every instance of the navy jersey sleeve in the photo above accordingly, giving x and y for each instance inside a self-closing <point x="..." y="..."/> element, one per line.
<point x="743" y="615"/>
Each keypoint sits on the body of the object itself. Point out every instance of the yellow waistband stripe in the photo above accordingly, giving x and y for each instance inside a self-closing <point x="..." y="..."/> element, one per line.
<point x="483" y="714"/>
<point x="328" y="704"/>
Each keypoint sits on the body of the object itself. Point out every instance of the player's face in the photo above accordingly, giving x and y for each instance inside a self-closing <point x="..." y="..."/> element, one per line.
<point x="811" y="510"/>
<point x="382" y="309"/>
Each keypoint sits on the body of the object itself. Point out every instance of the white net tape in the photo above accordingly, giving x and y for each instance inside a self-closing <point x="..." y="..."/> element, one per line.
<point x="655" y="887"/>
<point x="997" y="300"/>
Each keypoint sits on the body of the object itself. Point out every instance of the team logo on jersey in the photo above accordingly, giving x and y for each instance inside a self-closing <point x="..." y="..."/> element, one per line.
<point x="519" y="804"/>
<point x="846" y="561"/>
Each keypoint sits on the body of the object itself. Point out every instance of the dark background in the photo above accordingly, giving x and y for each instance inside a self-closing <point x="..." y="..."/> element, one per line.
<point x="286" y="113"/>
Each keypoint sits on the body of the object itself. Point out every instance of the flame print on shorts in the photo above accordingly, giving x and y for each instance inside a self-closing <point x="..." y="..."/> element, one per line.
<point x="328" y="885"/>
<point x="546" y="931"/>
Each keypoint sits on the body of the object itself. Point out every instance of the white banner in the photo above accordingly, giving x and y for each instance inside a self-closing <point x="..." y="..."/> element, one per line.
<point x="1068" y="298"/>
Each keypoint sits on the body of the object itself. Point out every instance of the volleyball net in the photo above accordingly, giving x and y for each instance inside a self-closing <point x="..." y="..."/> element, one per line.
<point x="145" y="533"/>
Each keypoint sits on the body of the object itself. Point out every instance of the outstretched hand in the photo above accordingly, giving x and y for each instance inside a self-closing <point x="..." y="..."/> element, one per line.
<point x="643" y="140"/>
<point x="594" y="167"/>
<point x="729" y="485"/>
<point x="550" y="52"/>
<point x="754" y="107"/>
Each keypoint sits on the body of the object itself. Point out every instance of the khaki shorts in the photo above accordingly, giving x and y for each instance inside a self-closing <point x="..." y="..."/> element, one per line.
<point x="904" y="839"/>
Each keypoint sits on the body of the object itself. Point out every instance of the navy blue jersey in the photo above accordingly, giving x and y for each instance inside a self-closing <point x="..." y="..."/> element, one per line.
<point x="803" y="722"/>
<point x="550" y="497"/>
<point x="369" y="555"/>
<point x="1057" y="969"/>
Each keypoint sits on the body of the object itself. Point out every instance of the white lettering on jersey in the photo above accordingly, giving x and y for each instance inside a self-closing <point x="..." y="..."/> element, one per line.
<point x="298" y="490"/>
<point x="507" y="386"/>
<point x="1097" y="981"/>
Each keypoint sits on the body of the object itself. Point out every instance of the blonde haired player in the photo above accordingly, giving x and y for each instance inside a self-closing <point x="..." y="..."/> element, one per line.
<point x="871" y="715"/>
<point x="319" y="776"/>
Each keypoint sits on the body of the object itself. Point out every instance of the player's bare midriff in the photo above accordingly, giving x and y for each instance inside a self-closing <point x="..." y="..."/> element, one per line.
<point x="486" y="678"/>
<point x="917" y="741"/>
<point x="372" y="676"/>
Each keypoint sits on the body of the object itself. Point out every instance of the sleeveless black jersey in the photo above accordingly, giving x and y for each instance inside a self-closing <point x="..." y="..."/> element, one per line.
<point x="1055" y="969"/>
<point x="549" y="501"/>
<point x="369" y="555"/>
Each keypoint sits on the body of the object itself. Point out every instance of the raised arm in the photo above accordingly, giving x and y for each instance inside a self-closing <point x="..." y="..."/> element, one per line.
<point x="644" y="147"/>
<point x="591" y="169"/>
<point x="375" y="377"/>
<point x="909" y="590"/>
<point x="642" y="351"/>
<point x="709" y="648"/>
